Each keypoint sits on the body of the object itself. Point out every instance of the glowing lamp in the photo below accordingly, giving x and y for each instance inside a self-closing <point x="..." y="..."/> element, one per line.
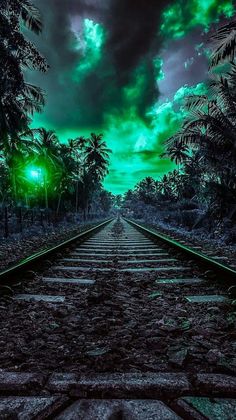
<point x="34" y="173"/>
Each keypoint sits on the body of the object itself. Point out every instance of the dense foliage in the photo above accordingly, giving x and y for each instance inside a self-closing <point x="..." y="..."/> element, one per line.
<point x="36" y="170"/>
<point x="202" y="192"/>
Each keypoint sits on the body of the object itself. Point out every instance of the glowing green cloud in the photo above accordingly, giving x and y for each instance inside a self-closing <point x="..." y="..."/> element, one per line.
<point x="158" y="64"/>
<point x="137" y="145"/>
<point x="179" y="18"/>
<point x="90" y="43"/>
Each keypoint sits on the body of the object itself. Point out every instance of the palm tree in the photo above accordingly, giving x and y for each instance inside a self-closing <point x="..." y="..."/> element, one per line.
<point x="95" y="167"/>
<point x="97" y="156"/>
<point x="46" y="146"/>
<point x="87" y="187"/>
<point x="14" y="111"/>
<point x="146" y="190"/>
<point x="17" y="98"/>
<point x="4" y="181"/>
<point x="163" y="186"/>
<point x="210" y="132"/>
<point x="65" y="176"/>
<point x="224" y="44"/>
<point x="211" y="117"/>
<point x="177" y="153"/>
<point x="13" y="42"/>
<point x="81" y="143"/>
<point x="16" y="152"/>
<point x="77" y="147"/>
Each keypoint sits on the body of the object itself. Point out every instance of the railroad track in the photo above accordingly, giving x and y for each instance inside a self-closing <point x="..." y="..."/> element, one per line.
<point x="118" y="323"/>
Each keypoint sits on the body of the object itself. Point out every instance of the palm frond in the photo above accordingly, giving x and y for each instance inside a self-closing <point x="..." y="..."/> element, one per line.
<point x="221" y="89"/>
<point x="196" y="101"/>
<point x="35" y="92"/>
<point x="224" y="41"/>
<point x="31" y="16"/>
<point x="29" y="106"/>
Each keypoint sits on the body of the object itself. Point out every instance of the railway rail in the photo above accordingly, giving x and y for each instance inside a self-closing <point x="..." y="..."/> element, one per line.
<point x="118" y="323"/>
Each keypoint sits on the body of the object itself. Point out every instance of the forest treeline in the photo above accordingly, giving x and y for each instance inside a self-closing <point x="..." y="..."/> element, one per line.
<point x="36" y="169"/>
<point x="201" y="193"/>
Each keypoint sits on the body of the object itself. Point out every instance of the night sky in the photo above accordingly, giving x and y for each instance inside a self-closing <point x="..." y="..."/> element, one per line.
<point x="122" y="67"/>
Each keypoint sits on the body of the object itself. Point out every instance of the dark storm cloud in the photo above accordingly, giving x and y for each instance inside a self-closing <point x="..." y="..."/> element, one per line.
<point x="131" y="28"/>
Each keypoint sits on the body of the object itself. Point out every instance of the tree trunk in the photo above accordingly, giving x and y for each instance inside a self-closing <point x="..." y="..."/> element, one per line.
<point x="3" y="199"/>
<point x="26" y="200"/>
<point x="14" y="187"/>
<point x="77" y="196"/>
<point x="77" y="190"/>
<point x="46" y="193"/>
<point x="6" y="228"/>
<point x="59" y="203"/>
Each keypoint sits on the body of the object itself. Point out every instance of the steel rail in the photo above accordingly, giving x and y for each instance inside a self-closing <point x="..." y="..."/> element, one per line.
<point x="28" y="262"/>
<point x="208" y="262"/>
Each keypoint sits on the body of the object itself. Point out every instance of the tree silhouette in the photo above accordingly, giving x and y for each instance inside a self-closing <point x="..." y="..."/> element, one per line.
<point x="18" y="99"/>
<point x="224" y="44"/>
<point x="97" y="156"/>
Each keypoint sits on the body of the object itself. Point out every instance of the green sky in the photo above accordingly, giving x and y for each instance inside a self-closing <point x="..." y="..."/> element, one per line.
<point x="137" y="114"/>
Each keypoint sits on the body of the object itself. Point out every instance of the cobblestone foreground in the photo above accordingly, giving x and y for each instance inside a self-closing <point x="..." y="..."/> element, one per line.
<point x="117" y="396"/>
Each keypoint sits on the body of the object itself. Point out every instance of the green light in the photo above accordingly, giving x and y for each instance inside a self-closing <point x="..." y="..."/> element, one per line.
<point x="34" y="173"/>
